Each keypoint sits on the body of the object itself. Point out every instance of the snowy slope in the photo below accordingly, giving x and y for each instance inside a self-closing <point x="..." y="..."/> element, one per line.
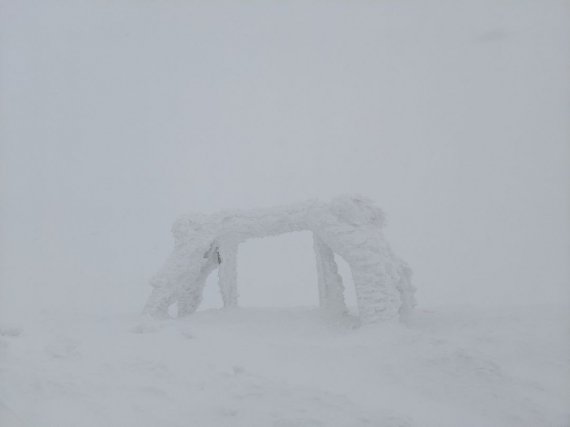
<point x="449" y="367"/>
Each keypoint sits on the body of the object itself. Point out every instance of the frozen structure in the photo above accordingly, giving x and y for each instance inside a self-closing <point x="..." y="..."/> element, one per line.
<point x="349" y="226"/>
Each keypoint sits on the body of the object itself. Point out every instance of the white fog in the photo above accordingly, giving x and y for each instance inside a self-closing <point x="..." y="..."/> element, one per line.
<point x="117" y="117"/>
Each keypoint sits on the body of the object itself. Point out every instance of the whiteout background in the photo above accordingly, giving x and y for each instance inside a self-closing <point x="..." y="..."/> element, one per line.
<point x="118" y="116"/>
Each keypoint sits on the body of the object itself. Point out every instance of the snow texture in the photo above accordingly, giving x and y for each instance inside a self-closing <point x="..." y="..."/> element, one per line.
<point x="349" y="226"/>
<point x="442" y="367"/>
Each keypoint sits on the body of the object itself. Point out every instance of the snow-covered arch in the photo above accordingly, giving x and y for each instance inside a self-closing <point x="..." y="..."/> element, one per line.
<point x="350" y="226"/>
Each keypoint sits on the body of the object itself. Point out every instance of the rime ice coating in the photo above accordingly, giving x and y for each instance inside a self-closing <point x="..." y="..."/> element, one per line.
<point x="349" y="226"/>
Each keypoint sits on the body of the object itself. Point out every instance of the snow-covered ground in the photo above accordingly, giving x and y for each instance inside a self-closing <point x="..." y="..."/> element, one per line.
<point x="450" y="366"/>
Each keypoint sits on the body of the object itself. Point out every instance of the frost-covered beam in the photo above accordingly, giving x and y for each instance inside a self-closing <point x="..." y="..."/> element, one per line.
<point x="331" y="289"/>
<point x="227" y="273"/>
<point x="242" y="225"/>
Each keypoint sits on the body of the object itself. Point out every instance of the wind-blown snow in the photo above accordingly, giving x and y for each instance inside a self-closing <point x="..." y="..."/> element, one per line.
<point x="257" y="368"/>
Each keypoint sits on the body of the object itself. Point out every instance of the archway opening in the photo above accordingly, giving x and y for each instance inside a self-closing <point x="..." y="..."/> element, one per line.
<point x="211" y="297"/>
<point x="278" y="271"/>
<point x="348" y="282"/>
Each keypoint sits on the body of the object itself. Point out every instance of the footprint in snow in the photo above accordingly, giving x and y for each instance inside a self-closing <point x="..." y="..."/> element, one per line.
<point x="62" y="348"/>
<point x="10" y="332"/>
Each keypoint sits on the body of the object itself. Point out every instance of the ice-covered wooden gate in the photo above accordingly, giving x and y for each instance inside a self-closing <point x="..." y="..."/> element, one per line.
<point x="350" y="226"/>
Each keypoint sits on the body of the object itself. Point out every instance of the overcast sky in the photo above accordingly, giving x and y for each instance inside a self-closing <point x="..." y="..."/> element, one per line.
<point x="117" y="116"/>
